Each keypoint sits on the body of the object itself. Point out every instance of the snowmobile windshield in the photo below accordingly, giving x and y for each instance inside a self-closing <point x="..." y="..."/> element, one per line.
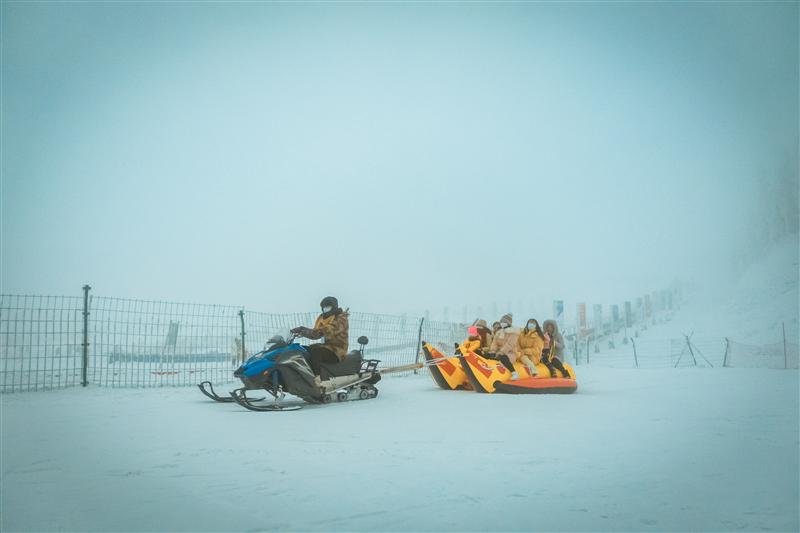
<point x="280" y="339"/>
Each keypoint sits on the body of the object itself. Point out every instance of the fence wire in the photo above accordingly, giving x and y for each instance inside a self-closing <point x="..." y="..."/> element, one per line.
<point x="391" y="339"/>
<point x="443" y="335"/>
<point x="137" y="343"/>
<point x="41" y="340"/>
<point x="682" y="352"/>
<point x="776" y="355"/>
<point x="260" y="327"/>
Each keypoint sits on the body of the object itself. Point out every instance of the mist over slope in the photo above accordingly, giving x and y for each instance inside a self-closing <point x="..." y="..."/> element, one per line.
<point x="752" y="306"/>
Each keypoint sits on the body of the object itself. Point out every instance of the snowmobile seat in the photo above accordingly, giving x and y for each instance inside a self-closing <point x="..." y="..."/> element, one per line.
<point x="351" y="364"/>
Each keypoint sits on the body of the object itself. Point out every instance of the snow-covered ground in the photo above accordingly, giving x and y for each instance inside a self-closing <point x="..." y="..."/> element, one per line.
<point x="650" y="449"/>
<point x="633" y="450"/>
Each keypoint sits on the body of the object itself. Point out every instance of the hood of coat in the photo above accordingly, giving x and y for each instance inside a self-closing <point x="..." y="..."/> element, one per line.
<point x="555" y="326"/>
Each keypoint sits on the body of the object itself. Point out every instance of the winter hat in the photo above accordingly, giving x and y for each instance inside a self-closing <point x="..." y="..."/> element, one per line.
<point x="329" y="300"/>
<point x="506" y="318"/>
<point x="481" y="323"/>
<point x="472" y="331"/>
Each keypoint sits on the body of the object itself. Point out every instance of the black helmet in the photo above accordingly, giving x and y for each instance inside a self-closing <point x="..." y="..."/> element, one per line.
<point x="329" y="301"/>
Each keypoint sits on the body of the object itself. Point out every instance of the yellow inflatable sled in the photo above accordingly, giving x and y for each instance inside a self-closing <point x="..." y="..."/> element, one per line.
<point x="446" y="371"/>
<point x="473" y="372"/>
<point x="487" y="375"/>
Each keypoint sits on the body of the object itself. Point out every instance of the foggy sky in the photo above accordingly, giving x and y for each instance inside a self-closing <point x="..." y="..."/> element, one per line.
<point x="401" y="157"/>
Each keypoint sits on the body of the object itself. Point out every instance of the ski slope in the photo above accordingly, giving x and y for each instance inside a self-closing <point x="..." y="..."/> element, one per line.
<point x="753" y="308"/>
<point x="668" y="449"/>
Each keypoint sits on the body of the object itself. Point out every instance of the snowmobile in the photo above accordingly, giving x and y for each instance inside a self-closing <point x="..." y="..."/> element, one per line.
<point x="282" y="367"/>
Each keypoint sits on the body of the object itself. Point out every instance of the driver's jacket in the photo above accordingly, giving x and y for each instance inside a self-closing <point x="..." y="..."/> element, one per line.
<point x="336" y="330"/>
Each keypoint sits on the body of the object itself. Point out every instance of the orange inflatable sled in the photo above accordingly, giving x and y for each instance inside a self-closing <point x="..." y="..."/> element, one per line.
<point x="473" y="372"/>
<point x="538" y="385"/>
<point x="487" y="375"/>
<point x="447" y="372"/>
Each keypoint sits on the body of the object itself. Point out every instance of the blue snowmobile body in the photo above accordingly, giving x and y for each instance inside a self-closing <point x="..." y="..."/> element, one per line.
<point x="260" y="370"/>
<point x="284" y="368"/>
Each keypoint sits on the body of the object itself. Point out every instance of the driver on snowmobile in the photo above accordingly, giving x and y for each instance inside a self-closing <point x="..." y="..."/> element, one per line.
<point x="333" y="327"/>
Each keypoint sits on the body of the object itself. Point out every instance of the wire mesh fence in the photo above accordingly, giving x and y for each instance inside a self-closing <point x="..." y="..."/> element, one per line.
<point x="41" y="340"/>
<point x="654" y="353"/>
<point x="776" y="355"/>
<point x="443" y="335"/>
<point x="683" y="352"/>
<point x="136" y="343"/>
<point x="49" y="342"/>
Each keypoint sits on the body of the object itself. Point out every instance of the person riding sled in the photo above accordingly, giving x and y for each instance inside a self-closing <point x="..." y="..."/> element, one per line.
<point x="479" y="338"/>
<point x="471" y="344"/>
<point x="333" y="327"/>
<point x="530" y="343"/>
<point x="504" y="345"/>
<point x="553" y="351"/>
<point x="484" y="333"/>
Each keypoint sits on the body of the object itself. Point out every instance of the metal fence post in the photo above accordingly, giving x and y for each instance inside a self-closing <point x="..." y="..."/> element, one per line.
<point x="785" y="356"/>
<point x="575" y="344"/>
<point x="689" y="344"/>
<point x="241" y="319"/>
<point x="85" y="359"/>
<point x="725" y="357"/>
<point x="587" y="349"/>
<point x="419" y="342"/>
<point x="635" y="358"/>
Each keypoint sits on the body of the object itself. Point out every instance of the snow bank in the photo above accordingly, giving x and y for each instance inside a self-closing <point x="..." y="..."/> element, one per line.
<point x="644" y="450"/>
<point x="752" y="308"/>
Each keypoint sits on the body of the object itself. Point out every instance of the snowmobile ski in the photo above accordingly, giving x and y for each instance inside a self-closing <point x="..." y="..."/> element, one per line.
<point x="208" y="389"/>
<point x="239" y="396"/>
